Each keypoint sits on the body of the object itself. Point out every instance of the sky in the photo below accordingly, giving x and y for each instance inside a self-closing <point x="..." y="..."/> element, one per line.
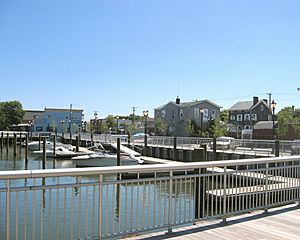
<point x="111" y="55"/>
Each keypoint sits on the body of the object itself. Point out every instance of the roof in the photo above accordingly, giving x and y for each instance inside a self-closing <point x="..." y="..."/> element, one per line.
<point x="188" y="104"/>
<point x="62" y="110"/>
<point x="246" y="105"/>
<point x="264" y="125"/>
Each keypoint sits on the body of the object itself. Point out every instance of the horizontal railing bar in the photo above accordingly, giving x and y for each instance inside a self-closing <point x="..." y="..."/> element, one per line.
<point x="140" y="169"/>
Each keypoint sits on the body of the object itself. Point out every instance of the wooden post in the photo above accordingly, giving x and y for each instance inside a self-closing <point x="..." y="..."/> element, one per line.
<point x="20" y="140"/>
<point x="92" y="139"/>
<point x="15" y="144"/>
<point x="63" y="137"/>
<point x="44" y="153"/>
<point x="7" y="141"/>
<point x="26" y="147"/>
<point x="215" y="149"/>
<point x="79" y="136"/>
<point x="2" y="140"/>
<point x="39" y="141"/>
<point x="118" y="152"/>
<point x="77" y="143"/>
<point x="145" y="145"/>
<point x="175" y="153"/>
<point x="200" y="193"/>
<point x="276" y="148"/>
<point x="54" y="146"/>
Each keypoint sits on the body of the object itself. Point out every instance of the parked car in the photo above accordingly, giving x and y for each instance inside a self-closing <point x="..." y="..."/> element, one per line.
<point x="225" y="143"/>
<point x="295" y="148"/>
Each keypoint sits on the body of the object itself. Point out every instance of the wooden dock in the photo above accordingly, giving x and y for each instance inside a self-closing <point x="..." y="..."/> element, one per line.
<point x="279" y="224"/>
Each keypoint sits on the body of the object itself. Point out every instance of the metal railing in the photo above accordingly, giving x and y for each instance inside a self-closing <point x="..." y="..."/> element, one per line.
<point x="116" y="201"/>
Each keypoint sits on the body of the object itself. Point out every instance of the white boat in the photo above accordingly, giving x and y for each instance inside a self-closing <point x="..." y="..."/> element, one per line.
<point x="61" y="152"/>
<point x="129" y="152"/>
<point x="36" y="145"/>
<point x="102" y="159"/>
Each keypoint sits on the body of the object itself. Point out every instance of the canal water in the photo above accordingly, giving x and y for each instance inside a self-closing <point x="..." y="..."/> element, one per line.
<point x="71" y="213"/>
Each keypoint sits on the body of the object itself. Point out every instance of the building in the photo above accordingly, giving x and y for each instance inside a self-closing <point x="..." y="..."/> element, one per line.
<point x="177" y="115"/>
<point x="244" y="115"/>
<point x="55" y="120"/>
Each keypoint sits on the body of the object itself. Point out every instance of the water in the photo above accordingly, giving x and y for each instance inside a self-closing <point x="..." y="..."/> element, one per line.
<point x="71" y="212"/>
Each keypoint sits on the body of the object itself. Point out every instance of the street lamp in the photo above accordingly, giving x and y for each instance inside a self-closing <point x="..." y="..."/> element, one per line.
<point x="202" y="110"/>
<point x="146" y="114"/>
<point x="273" y="106"/>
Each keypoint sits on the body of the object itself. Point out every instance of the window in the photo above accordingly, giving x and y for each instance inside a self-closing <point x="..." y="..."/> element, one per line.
<point x="239" y="117"/>
<point x="232" y="117"/>
<point x="247" y="127"/>
<point x="254" y="117"/>
<point x="261" y="108"/>
<point x="205" y="113"/>
<point x="196" y="112"/>
<point x="163" y="113"/>
<point x="247" y="117"/>
<point x="213" y="113"/>
<point x="181" y="113"/>
<point x="239" y="128"/>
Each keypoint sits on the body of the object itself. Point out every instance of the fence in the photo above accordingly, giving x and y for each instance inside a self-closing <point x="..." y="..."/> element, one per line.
<point x="116" y="201"/>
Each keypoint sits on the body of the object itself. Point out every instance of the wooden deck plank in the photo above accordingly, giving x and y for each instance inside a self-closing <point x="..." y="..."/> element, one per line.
<point x="280" y="224"/>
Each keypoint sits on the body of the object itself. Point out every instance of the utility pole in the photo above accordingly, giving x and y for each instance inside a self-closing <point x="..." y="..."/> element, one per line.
<point x="270" y="97"/>
<point x="133" y="114"/>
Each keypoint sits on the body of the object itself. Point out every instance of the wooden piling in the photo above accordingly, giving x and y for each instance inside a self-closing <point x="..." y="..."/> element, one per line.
<point x="77" y="143"/>
<point x="7" y="141"/>
<point x="15" y="144"/>
<point x="175" y="152"/>
<point x="54" y="146"/>
<point x="39" y="141"/>
<point x="118" y="152"/>
<point x="20" y="141"/>
<point x="44" y="153"/>
<point x="277" y="148"/>
<point x="26" y="147"/>
<point x="2" y="140"/>
<point x="145" y="145"/>
<point x="215" y="149"/>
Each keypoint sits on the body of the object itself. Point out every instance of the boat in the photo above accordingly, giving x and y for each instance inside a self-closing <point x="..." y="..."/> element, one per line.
<point x="103" y="159"/>
<point x="60" y="152"/>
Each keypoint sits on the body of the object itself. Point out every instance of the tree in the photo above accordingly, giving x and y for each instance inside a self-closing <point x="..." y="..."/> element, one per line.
<point x="288" y="119"/>
<point x="11" y="112"/>
<point x="160" y="126"/>
<point x="219" y="128"/>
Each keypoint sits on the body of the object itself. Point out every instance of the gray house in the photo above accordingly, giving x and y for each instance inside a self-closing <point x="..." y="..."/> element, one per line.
<point x="244" y="115"/>
<point x="177" y="115"/>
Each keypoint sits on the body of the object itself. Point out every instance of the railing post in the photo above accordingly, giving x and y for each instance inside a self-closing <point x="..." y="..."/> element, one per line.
<point x="118" y="152"/>
<point x="8" y="210"/>
<point x="170" y="204"/>
<point x="266" y="189"/>
<point x="225" y="195"/>
<point x="100" y="207"/>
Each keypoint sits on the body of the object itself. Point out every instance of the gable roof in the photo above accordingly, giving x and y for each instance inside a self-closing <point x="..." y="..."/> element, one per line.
<point x="188" y="104"/>
<point x="246" y="105"/>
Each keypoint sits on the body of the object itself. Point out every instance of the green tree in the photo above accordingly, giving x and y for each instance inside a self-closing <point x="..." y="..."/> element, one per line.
<point x="11" y="112"/>
<point x="160" y="126"/>
<point x="288" y="119"/>
<point x="219" y="128"/>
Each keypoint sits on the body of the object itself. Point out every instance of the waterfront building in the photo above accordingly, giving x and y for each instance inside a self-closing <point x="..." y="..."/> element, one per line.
<point x="177" y="115"/>
<point x="54" y="120"/>
<point x="244" y="115"/>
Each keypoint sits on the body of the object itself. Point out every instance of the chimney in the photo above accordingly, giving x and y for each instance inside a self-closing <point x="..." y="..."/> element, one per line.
<point x="177" y="100"/>
<point x="255" y="100"/>
<point x="266" y="101"/>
